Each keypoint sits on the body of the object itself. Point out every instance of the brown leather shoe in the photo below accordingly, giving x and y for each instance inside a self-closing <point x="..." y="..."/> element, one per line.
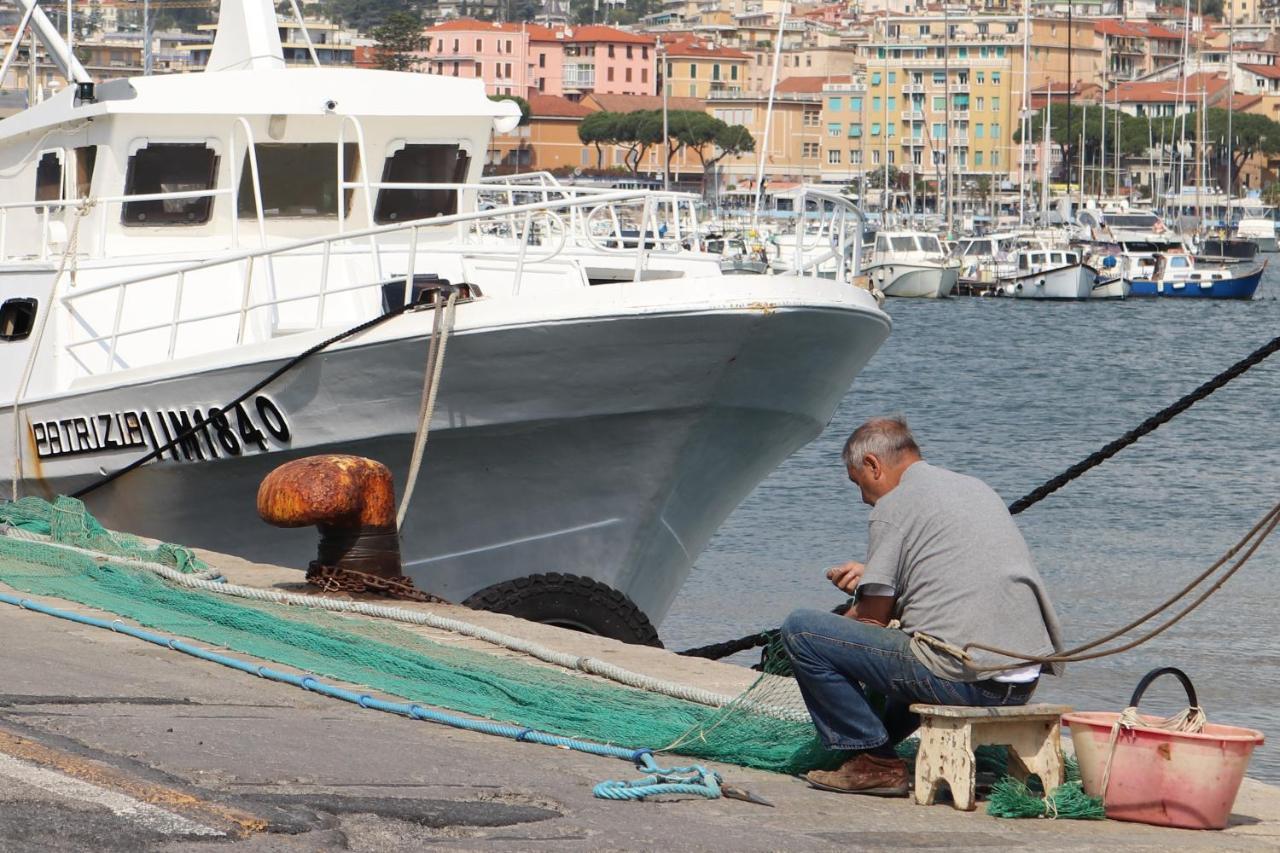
<point x="864" y="774"/>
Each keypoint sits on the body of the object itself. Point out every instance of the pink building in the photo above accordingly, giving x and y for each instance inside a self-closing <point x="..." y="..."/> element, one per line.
<point x="494" y="52"/>
<point x="523" y="59"/>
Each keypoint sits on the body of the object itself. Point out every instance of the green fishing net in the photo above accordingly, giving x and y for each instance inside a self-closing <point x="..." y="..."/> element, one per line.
<point x="766" y="727"/>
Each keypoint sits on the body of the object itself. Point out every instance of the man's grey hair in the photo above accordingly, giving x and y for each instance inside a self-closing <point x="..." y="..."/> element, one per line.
<point x="885" y="438"/>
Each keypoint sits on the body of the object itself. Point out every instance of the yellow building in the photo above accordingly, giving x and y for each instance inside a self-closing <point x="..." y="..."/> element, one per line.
<point x="925" y="92"/>
<point x="696" y="68"/>
<point x="795" y="146"/>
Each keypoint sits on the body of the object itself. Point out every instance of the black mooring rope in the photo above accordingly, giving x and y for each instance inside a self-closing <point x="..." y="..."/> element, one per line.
<point x="716" y="651"/>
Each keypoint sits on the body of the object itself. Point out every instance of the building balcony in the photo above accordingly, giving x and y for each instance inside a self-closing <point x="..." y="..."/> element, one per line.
<point x="959" y="115"/>
<point x="914" y="141"/>
<point x="913" y="89"/>
<point x="959" y="140"/>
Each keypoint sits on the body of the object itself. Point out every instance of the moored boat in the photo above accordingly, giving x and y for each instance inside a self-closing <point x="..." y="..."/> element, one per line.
<point x="606" y="400"/>
<point x="1180" y="275"/>
<point x="911" y="264"/>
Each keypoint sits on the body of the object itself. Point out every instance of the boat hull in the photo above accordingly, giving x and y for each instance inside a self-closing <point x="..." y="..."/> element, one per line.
<point x="914" y="281"/>
<point x="1116" y="288"/>
<point x="1069" y="282"/>
<point x="1239" y="287"/>
<point x="610" y="447"/>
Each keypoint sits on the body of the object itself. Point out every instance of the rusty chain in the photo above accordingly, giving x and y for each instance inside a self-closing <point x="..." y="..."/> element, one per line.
<point x="334" y="579"/>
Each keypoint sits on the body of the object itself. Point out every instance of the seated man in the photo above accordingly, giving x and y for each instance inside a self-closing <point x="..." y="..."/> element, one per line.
<point x="945" y="560"/>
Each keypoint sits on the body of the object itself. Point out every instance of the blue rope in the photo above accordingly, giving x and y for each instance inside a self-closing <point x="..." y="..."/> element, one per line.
<point x="696" y="779"/>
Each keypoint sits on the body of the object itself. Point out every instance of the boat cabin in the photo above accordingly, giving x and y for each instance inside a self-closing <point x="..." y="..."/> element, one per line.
<point x="905" y="244"/>
<point x="207" y="162"/>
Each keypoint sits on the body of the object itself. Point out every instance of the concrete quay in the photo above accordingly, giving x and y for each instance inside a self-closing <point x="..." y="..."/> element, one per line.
<point x="110" y="743"/>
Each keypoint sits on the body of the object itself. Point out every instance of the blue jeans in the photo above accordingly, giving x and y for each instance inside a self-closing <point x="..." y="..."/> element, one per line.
<point x="837" y="660"/>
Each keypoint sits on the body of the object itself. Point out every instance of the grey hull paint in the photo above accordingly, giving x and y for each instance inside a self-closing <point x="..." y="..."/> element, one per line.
<point x="609" y="448"/>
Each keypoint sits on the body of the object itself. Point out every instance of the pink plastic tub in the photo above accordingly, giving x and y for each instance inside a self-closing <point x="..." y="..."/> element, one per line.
<point x="1162" y="777"/>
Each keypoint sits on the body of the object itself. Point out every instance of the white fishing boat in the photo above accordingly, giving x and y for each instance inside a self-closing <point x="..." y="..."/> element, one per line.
<point x="911" y="264"/>
<point x="1042" y="273"/>
<point x="167" y="243"/>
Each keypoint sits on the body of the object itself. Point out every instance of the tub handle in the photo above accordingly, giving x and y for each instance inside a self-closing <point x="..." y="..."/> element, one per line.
<point x="1156" y="673"/>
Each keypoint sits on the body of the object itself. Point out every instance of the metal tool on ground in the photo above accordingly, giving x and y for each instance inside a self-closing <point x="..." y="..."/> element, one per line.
<point x="352" y="501"/>
<point x="733" y="792"/>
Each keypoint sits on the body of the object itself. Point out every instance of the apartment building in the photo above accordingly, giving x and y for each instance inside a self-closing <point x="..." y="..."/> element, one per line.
<point x="697" y="68"/>
<point x="594" y="59"/>
<point x="943" y="89"/>
<point x="1133" y="49"/>
<point x="795" y="137"/>
<point x="332" y="44"/>
<point x="494" y="52"/>
<point x="526" y="59"/>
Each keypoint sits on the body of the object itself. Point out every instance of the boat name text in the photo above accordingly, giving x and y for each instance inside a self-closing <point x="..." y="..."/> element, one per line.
<point x="201" y="433"/>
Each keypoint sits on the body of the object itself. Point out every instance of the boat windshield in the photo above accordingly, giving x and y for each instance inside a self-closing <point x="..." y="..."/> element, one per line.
<point x="903" y="244"/>
<point x="929" y="244"/>
<point x="1136" y="221"/>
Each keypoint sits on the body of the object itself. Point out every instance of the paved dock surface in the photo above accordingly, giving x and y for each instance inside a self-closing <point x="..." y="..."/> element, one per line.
<point x="109" y="743"/>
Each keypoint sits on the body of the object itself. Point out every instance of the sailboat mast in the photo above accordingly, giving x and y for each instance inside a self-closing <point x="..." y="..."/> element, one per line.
<point x="946" y="113"/>
<point x="1044" y="165"/>
<point x="768" y="117"/>
<point x="1231" y="105"/>
<point x="1026" y="112"/>
<point x="1102" y="153"/>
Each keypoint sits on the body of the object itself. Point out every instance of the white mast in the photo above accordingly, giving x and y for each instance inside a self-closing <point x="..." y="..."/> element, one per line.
<point x="1026" y="111"/>
<point x="1102" y="174"/>
<point x="768" y="115"/>
<point x="1044" y="165"/>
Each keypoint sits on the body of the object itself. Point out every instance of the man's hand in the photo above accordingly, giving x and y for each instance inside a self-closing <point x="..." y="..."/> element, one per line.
<point x="846" y="577"/>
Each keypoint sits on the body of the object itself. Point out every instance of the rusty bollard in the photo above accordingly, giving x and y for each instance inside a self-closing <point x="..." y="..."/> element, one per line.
<point x="352" y="501"/>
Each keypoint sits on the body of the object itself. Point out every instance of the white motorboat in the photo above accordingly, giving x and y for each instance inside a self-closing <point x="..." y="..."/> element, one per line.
<point x="911" y="264"/>
<point x="1255" y="221"/>
<point x="1040" y="273"/>
<point x="167" y="242"/>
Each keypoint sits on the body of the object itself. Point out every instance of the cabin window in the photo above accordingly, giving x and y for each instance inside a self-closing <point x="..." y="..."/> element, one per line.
<point x="1071" y="258"/>
<point x="170" y="167"/>
<point x="930" y="244"/>
<point x="1177" y="262"/>
<point x="86" y="160"/>
<point x="421" y="164"/>
<point x="299" y="179"/>
<point x="903" y="244"/>
<point x="48" y="178"/>
<point x="1055" y="257"/>
<point x="17" y="319"/>
<point x="1037" y="259"/>
<point x="1024" y="262"/>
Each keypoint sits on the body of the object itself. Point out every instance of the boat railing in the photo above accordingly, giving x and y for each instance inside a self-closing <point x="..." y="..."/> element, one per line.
<point x="97" y="350"/>
<point x="834" y="234"/>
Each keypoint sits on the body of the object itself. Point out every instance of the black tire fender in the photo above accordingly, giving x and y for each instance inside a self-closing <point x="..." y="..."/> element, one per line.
<point x="569" y="601"/>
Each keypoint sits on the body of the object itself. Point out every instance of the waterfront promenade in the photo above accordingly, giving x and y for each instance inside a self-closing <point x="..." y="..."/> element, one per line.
<point x="111" y="743"/>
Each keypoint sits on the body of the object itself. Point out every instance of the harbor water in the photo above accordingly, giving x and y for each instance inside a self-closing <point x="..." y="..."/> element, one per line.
<point x="1014" y="392"/>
